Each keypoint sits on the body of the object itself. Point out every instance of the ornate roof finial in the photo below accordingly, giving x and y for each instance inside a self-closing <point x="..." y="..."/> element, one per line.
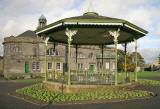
<point x="90" y="7"/>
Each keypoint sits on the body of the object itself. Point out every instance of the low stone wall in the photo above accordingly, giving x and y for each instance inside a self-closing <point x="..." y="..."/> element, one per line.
<point x="59" y="87"/>
<point x="13" y="75"/>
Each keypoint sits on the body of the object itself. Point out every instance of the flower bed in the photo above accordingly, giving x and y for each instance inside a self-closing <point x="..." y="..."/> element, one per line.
<point x="37" y="93"/>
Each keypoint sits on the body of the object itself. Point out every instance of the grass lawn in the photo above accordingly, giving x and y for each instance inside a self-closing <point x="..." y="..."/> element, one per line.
<point x="29" y="80"/>
<point x="148" y="74"/>
<point x="148" y="82"/>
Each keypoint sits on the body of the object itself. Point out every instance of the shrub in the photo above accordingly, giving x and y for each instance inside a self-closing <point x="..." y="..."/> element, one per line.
<point x="1" y="74"/>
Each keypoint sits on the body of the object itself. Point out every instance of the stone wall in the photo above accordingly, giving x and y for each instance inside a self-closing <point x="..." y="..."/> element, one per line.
<point x="1" y="64"/>
<point x="59" y="87"/>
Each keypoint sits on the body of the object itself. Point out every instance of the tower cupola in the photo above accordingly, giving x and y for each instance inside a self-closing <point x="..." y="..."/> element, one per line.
<point x="42" y="21"/>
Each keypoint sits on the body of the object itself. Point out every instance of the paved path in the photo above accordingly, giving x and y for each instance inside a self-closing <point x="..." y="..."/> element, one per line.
<point x="9" y="102"/>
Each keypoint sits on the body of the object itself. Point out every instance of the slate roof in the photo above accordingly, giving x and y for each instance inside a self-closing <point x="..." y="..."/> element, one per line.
<point x="28" y="33"/>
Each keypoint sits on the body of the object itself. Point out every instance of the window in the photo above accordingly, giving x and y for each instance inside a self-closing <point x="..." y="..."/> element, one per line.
<point x="113" y="65"/>
<point x="57" y="53"/>
<point x="80" y="66"/>
<point x="107" y="65"/>
<point x="36" y="66"/>
<point x="58" y="66"/>
<point x="50" y="51"/>
<point x="90" y="55"/>
<point x="99" y="65"/>
<point x="49" y="65"/>
<point x="80" y="55"/>
<point x="16" y="49"/>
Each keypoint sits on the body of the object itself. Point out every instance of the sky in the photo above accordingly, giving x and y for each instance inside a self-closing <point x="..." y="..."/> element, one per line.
<point x="17" y="16"/>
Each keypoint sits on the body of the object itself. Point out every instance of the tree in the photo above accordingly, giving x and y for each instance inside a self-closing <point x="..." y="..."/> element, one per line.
<point x="130" y="66"/>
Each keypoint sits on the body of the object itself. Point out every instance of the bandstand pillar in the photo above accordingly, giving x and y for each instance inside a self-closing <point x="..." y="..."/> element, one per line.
<point x="46" y="44"/>
<point x="76" y="59"/>
<point x="69" y="33"/>
<point x="135" y="40"/>
<point x="102" y="59"/>
<point x="115" y="34"/>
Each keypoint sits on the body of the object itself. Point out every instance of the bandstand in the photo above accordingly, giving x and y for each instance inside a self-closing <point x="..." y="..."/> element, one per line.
<point x="92" y="29"/>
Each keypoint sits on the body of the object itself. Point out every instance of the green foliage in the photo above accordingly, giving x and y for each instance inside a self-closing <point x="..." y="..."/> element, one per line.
<point x="38" y="93"/>
<point x="148" y="74"/>
<point x="148" y="82"/>
<point x="121" y="62"/>
<point x="1" y="74"/>
<point x="130" y="61"/>
<point x="140" y="59"/>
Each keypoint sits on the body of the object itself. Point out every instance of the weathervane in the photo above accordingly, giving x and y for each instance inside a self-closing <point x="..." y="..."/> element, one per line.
<point x="90" y="7"/>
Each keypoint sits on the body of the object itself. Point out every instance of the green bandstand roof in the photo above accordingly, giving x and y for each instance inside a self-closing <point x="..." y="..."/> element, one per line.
<point x="92" y="29"/>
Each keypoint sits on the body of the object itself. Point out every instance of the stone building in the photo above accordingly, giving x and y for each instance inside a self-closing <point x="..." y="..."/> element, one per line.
<point x="25" y="54"/>
<point x="156" y="64"/>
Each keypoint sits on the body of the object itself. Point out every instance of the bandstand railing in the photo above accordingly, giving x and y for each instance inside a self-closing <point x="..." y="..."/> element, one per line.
<point x="91" y="78"/>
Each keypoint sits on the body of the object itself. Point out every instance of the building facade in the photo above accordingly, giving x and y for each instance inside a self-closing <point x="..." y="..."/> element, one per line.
<point x="156" y="64"/>
<point x="25" y="54"/>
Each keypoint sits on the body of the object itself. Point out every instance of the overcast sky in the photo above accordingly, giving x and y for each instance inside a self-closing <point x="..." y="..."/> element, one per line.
<point x="17" y="16"/>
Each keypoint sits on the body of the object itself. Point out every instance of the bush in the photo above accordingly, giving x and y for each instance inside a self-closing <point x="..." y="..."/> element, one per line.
<point x="14" y="76"/>
<point x="36" y="75"/>
<point x="1" y="74"/>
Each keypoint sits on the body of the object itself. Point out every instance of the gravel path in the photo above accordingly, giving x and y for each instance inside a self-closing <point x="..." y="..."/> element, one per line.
<point x="9" y="102"/>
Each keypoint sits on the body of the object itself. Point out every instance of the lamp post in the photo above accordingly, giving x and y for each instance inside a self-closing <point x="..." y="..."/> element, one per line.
<point x="46" y="43"/>
<point x="115" y="34"/>
<point x="69" y="33"/>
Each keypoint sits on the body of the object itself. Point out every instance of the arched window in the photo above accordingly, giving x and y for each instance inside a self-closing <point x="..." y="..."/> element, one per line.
<point x="57" y="53"/>
<point x="90" y="55"/>
<point x="50" y="51"/>
<point x="81" y="55"/>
